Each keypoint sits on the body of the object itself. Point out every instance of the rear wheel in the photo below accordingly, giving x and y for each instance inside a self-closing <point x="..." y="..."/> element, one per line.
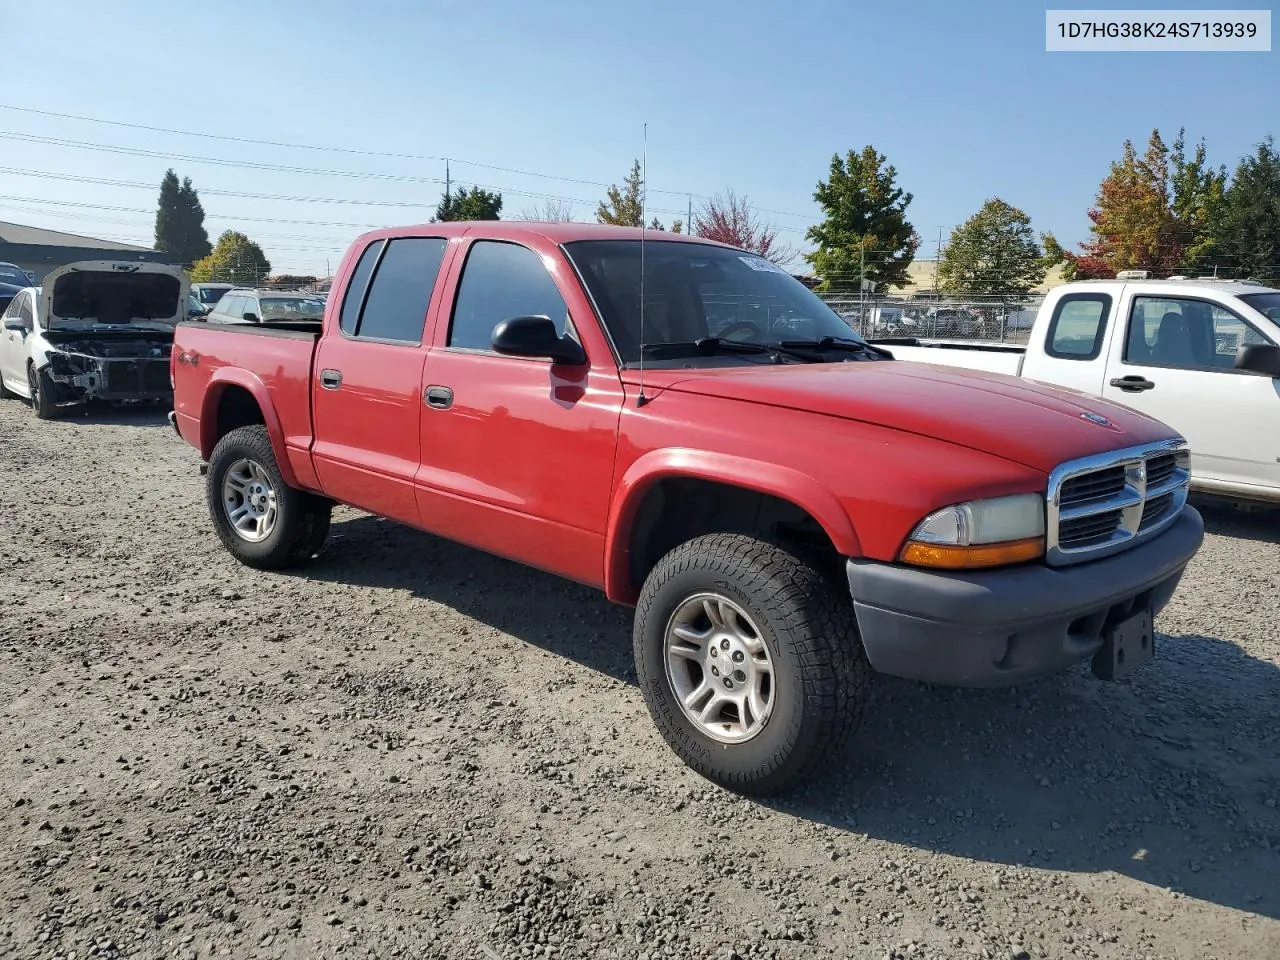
<point x="749" y="661"/>
<point x="260" y="519"/>
<point x="41" y="389"/>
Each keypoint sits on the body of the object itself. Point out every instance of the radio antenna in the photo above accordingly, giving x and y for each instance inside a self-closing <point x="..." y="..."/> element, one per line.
<point x="641" y="400"/>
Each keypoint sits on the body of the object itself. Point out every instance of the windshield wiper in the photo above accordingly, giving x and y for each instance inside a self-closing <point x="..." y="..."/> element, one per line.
<point x="836" y="343"/>
<point x="709" y="346"/>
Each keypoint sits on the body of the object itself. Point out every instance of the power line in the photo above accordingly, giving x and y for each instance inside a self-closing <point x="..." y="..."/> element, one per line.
<point x="219" y="216"/>
<point x="370" y="153"/>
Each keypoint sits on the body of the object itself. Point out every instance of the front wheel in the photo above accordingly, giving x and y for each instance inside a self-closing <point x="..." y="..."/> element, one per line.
<point x="749" y="661"/>
<point x="260" y="519"/>
<point x="40" y="386"/>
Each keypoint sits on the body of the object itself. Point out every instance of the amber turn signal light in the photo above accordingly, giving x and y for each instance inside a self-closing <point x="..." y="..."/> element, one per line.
<point x="951" y="557"/>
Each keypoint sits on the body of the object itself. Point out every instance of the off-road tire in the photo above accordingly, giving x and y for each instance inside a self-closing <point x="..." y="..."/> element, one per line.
<point x="821" y="675"/>
<point x="41" y="387"/>
<point x="302" y="524"/>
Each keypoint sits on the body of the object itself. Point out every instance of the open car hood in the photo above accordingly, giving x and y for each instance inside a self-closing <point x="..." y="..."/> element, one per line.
<point x="93" y="294"/>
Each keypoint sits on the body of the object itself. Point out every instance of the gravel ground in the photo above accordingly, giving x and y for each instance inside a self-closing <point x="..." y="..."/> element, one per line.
<point x="413" y="749"/>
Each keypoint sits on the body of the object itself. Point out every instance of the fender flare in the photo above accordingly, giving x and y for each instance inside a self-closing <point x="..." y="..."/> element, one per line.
<point x="236" y="377"/>
<point x="773" y="479"/>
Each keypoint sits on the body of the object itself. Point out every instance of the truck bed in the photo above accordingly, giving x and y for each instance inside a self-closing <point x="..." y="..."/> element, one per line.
<point x="272" y="361"/>
<point x="973" y="354"/>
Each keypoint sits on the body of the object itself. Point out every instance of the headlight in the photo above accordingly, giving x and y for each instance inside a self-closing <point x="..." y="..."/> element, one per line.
<point x="980" y="533"/>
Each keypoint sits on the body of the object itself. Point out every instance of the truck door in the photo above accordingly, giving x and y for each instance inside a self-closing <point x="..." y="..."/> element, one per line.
<point x="365" y="399"/>
<point x="1174" y="363"/>
<point x="1069" y="348"/>
<point x="518" y="453"/>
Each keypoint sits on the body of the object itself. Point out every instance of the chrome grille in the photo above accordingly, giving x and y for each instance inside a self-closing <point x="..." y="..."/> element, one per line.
<point x="1102" y="504"/>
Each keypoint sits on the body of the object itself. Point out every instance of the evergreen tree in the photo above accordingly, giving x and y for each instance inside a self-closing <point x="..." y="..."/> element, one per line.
<point x="865" y="234"/>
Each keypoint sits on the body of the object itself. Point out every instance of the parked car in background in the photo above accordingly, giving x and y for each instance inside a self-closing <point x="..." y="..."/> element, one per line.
<point x="195" y="309"/>
<point x="94" y="330"/>
<point x="1200" y="355"/>
<point x="7" y="292"/>
<point x="254" y="306"/>
<point x="210" y="293"/>
<point x="14" y="275"/>
<point x="786" y="507"/>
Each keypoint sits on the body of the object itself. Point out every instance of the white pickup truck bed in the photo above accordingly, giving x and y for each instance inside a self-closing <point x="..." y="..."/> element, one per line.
<point x="974" y="354"/>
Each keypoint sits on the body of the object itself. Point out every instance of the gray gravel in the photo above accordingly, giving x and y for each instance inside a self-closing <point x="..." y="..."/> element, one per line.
<point x="413" y="749"/>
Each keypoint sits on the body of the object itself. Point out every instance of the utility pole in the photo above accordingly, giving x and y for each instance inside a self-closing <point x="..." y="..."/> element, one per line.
<point x="688" y="223"/>
<point x="937" y="259"/>
<point x="446" y="183"/>
<point x="862" y="285"/>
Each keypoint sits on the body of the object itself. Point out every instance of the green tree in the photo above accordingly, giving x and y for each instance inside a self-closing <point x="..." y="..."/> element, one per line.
<point x="1246" y="227"/>
<point x="625" y="206"/>
<point x="864" y="234"/>
<point x="179" y="224"/>
<point x="1197" y="194"/>
<point x="1054" y="254"/>
<point x="235" y="259"/>
<point x="473" y="204"/>
<point x="994" y="253"/>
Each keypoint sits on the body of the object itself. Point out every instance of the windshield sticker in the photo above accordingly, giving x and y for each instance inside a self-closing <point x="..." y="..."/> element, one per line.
<point x="759" y="263"/>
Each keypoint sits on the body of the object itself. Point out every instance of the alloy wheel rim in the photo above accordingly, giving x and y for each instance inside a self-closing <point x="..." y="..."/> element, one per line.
<point x="719" y="668"/>
<point x="249" y="500"/>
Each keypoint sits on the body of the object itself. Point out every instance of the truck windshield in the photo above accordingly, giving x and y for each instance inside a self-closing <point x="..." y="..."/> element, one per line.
<point x="1267" y="304"/>
<point x="695" y="292"/>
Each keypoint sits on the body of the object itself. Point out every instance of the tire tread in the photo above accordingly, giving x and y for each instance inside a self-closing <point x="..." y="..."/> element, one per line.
<point x="810" y="618"/>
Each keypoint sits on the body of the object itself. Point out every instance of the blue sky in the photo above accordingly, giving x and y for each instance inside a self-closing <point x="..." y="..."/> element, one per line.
<point x="962" y="99"/>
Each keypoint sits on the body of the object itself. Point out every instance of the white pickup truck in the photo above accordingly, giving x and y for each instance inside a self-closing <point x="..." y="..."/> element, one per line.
<point x="1201" y="355"/>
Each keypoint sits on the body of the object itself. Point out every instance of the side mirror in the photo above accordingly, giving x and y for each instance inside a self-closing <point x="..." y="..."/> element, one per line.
<point x="536" y="337"/>
<point x="1261" y="358"/>
<point x="15" y="323"/>
<point x="251" y="317"/>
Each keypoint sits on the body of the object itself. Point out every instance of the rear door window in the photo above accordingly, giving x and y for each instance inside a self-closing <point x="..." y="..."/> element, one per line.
<point x="395" y="309"/>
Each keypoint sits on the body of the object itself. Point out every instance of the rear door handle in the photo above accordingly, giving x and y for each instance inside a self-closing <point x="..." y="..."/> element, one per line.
<point x="439" y="397"/>
<point x="331" y="379"/>
<point x="1133" y="384"/>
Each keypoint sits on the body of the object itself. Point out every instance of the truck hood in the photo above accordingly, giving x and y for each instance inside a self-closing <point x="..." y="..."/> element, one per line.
<point x="1024" y="421"/>
<point x="96" y="294"/>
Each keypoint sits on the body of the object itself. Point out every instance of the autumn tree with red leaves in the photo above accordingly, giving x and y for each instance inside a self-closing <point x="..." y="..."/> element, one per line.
<point x="1152" y="212"/>
<point x="729" y="219"/>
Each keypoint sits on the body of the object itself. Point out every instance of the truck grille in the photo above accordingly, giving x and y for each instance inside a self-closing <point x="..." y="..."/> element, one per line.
<point x="1100" y="505"/>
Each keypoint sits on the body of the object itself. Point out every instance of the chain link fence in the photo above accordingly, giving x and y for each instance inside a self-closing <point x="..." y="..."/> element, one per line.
<point x="990" y="319"/>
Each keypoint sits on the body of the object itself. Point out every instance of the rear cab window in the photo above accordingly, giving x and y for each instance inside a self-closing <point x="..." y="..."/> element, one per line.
<point x="1078" y="326"/>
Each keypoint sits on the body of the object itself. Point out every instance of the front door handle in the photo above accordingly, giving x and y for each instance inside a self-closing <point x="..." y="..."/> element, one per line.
<point x="439" y="397"/>
<point x="1133" y="384"/>
<point x="331" y="379"/>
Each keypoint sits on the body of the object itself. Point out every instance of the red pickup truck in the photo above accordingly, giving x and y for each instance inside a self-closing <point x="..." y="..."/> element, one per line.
<point x="685" y="426"/>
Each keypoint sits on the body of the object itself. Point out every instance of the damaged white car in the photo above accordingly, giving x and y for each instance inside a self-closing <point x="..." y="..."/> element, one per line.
<point x="97" y="330"/>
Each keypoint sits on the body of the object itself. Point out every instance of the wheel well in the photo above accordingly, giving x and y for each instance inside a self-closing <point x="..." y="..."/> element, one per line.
<point x="237" y="407"/>
<point x="678" y="509"/>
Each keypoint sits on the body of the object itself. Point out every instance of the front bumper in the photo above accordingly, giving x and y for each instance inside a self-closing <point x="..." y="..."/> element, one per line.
<point x="78" y="378"/>
<point x="1000" y="627"/>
